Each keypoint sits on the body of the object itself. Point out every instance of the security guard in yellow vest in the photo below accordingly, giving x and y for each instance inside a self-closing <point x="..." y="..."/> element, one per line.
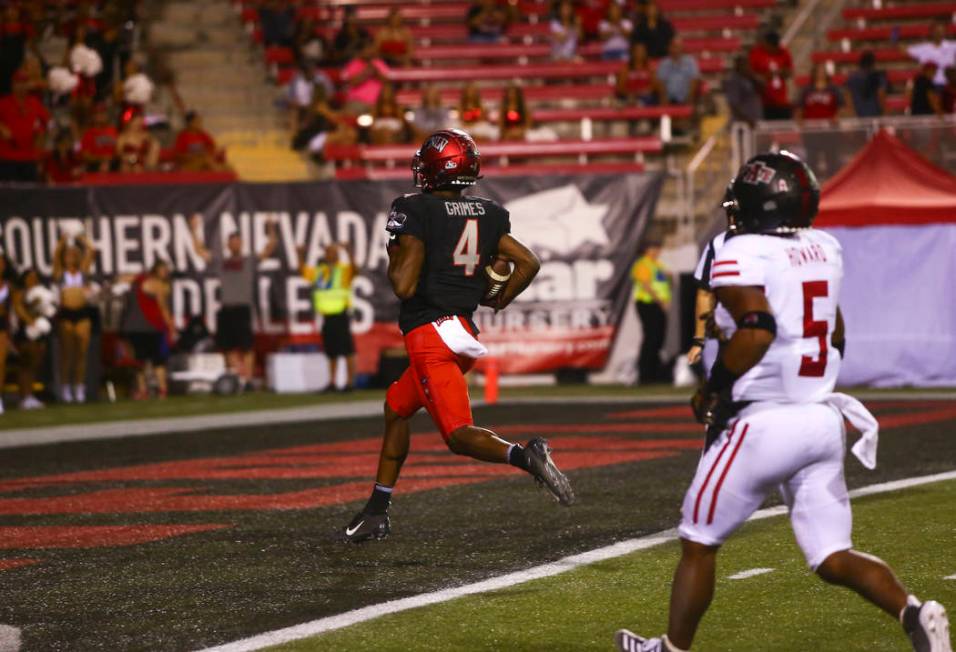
<point x="331" y="281"/>
<point x="652" y="296"/>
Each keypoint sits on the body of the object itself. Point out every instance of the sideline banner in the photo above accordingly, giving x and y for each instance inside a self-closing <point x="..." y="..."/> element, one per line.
<point x="585" y="229"/>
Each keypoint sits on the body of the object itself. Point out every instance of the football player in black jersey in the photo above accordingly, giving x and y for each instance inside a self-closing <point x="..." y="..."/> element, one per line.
<point x="440" y="243"/>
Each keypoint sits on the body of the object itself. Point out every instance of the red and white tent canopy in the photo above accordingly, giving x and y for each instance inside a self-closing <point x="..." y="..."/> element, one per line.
<point x="888" y="183"/>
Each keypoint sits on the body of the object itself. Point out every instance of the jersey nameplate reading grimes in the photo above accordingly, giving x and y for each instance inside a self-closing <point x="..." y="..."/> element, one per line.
<point x="468" y="208"/>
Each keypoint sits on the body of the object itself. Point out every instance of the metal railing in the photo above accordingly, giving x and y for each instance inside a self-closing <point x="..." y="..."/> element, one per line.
<point x="828" y="146"/>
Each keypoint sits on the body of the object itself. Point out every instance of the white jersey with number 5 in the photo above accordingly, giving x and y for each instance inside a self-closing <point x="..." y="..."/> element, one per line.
<point x="801" y="276"/>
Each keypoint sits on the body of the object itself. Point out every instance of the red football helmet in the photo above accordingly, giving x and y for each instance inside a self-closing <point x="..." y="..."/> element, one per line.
<point x="447" y="158"/>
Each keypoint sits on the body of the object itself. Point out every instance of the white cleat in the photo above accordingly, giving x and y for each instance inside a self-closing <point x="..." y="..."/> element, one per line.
<point x="931" y="633"/>
<point x="628" y="641"/>
<point x="79" y="393"/>
<point x="31" y="403"/>
<point x="66" y="393"/>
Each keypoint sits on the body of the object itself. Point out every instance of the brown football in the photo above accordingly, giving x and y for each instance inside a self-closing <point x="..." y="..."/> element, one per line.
<point x="497" y="272"/>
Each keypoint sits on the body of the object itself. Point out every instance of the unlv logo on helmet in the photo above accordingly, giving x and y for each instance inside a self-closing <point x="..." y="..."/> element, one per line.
<point x="757" y="172"/>
<point x="438" y="143"/>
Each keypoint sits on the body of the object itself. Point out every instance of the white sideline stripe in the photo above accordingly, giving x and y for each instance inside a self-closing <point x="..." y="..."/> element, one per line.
<point x="620" y="549"/>
<point x="10" y="639"/>
<point x="753" y="572"/>
<point x="950" y="577"/>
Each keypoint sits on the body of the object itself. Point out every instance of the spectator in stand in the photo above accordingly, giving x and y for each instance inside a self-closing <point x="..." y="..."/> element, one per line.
<point x="147" y="324"/>
<point x="196" y="150"/>
<point x="868" y="87"/>
<point x="301" y="90"/>
<point x="388" y="119"/>
<point x="637" y="81"/>
<point x="331" y="283"/>
<point x="236" y="271"/>
<point x="98" y="141"/>
<point x="430" y="116"/>
<point x="772" y="64"/>
<point x="63" y="164"/>
<point x="679" y="75"/>
<point x="277" y="18"/>
<point x="364" y="77"/>
<point x="614" y="31"/>
<point x="23" y="127"/>
<point x="742" y="90"/>
<point x="821" y="99"/>
<point x="72" y="262"/>
<point x="514" y="119"/>
<point x="136" y="149"/>
<point x="472" y="116"/>
<point x="948" y="98"/>
<point x="938" y="50"/>
<point x="15" y="33"/>
<point x="394" y="40"/>
<point x="308" y="46"/>
<point x="565" y="29"/>
<point x="33" y="305"/>
<point x="924" y="96"/>
<point x="590" y="14"/>
<point x="351" y="37"/>
<point x="323" y="125"/>
<point x="6" y="310"/>
<point x="653" y="30"/>
<point x="487" y="22"/>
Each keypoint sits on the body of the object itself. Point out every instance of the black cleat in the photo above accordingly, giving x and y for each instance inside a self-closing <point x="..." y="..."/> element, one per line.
<point x="367" y="526"/>
<point x="545" y="473"/>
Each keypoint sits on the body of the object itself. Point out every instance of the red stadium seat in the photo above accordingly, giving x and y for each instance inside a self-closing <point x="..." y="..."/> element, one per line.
<point x="894" y="76"/>
<point x="884" y="55"/>
<point x="883" y="33"/>
<point x="543" y="50"/>
<point x="279" y="56"/>
<point x="527" y="169"/>
<point x="906" y="11"/>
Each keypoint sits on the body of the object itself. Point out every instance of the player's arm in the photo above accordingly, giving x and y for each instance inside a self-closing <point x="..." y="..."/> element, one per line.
<point x="756" y="330"/>
<point x="526" y="268"/>
<point x="405" y="262"/>
<point x="703" y="308"/>
<point x="839" y="334"/>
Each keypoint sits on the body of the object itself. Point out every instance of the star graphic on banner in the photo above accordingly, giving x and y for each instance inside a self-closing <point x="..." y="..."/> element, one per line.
<point x="557" y="221"/>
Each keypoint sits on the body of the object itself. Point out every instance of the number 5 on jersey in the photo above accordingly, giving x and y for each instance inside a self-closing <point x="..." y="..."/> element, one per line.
<point x="466" y="253"/>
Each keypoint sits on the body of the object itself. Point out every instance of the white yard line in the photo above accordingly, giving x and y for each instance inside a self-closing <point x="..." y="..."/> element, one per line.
<point x="622" y="548"/>
<point x="753" y="572"/>
<point x="10" y="639"/>
<point x="950" y="577"/>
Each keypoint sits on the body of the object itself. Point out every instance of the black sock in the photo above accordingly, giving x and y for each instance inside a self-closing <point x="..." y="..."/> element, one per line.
<point x="910" y="618"/>
<point x="516" y="457"/>
<point x="379" y="500"/>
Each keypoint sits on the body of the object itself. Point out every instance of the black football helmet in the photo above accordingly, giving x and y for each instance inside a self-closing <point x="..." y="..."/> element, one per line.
<point x="774" y="193"/>
<point x="448" y="158"/>
<point x="729" y="204"/>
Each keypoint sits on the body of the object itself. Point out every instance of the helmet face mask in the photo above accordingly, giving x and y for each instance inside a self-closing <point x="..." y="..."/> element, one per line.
<point x="774" y="193"/>
<point x="448" y="159"/>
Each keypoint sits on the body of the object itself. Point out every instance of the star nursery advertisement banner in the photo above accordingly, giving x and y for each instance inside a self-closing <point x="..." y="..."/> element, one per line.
<point x="585" y="230"/>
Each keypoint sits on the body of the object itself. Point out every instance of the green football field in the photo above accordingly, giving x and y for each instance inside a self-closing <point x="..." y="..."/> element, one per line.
<point x="785" y="609"/>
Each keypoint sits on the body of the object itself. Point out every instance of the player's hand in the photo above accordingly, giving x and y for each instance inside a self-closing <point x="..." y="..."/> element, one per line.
<point x="492" y="303"/>
<point x="693" y="354"/>
<point x="704" y="404"/>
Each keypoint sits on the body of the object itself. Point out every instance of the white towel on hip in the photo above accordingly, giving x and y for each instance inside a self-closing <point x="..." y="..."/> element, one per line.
<point x="457" y="338"/>
<point x="861" y="419"/>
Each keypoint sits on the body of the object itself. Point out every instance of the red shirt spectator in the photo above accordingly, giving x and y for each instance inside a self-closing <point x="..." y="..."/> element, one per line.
<point x="821" y="99"/>
<point x="195" y="149"/>
<point x="63" y="164"/>
<point x="23" y="120"/>
<point x="98" y="145"/>
<point x="190" y="143"/>
<point x="772" y="63"/>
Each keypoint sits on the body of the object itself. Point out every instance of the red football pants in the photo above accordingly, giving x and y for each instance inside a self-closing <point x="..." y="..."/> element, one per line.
<point x="435" y="380"/>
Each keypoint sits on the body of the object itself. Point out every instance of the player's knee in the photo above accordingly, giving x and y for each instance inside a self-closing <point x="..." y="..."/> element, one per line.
<point x="458" y="441"/>
<point x="833" y="569"/>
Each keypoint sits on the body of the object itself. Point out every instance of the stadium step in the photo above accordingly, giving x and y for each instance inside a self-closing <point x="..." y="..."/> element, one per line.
<point x="220" y="77"/>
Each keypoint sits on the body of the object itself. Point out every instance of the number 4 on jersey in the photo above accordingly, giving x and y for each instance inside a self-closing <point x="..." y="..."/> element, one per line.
<point x="466" y="253"/>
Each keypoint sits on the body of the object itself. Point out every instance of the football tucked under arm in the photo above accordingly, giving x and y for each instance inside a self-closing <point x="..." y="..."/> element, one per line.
<point x="498" y="272"/>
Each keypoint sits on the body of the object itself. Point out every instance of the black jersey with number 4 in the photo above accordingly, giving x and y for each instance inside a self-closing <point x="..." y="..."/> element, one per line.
<point x="460" y="235"/>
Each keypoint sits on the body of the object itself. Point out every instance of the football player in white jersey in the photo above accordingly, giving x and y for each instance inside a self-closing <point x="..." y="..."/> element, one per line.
<point x="774" y="420"/>
<point x="703" y="350"/>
